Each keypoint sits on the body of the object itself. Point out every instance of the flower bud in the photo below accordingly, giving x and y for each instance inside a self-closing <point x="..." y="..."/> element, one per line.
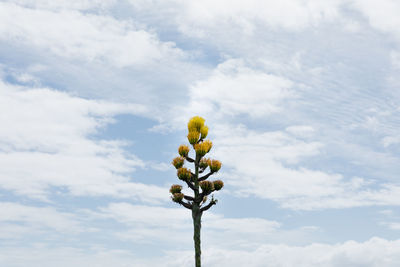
<point x="175" y="188"/>
<point x="218" y="184"/>
<point x="184" y="174"/>
<point x="203" y="163"/>
<point x="195" y="124"/>
<point x="201" y="149"/>
<point x="178" y="162"/>
<point x="183" y="150"/>
<point x="207" y="186"/>
<point x="193" y="137"/>
<point x="204" y="132"/>
<point x="177" y="197"/>
<point x="207" y="145"/>
<point x="214" y="165"/>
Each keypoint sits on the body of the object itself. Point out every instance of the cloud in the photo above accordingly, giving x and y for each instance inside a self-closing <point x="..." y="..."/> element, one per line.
<point x="20" y="221"/>
<point x="270" y="165"/>
<point x="152" y="224"/>
<point x="65" y="256"/>
<point x="45" y="143"/>
<point x="234" y="89"/>
<point x="382" y="15"/>
<point x="390" y="140"/>
<point x="82" y="37"/>
<point x="200" y="18"/>
<point x="64" y="4"/>
<point x="371" y="253"/>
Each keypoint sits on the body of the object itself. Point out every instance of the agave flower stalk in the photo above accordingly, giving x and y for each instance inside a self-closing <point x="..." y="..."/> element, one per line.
<point x="201" y="187"/>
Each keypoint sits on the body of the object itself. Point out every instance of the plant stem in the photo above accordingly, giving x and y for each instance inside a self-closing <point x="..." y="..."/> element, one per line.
<point x="196" y="214"/>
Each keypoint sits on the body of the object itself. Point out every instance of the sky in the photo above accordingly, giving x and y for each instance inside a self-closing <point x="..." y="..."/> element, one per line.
<point x="302" y="101"/>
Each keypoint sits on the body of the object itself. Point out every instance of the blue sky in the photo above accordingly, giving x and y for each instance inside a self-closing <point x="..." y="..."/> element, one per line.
<point x="301" y="98"/>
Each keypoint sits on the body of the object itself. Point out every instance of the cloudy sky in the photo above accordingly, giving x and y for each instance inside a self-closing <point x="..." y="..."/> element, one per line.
<point x="302" y="98"/>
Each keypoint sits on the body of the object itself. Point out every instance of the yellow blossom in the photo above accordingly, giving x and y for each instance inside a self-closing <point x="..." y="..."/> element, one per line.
<point x="201" y="149"/>
<point x="177" y="197"/>
<point x="203" y="163"/>
<point x="204" y="132"/>
<point x="218" y="184"/>
<point x="178" y="162"/>
<point x="175" y="188"/>
<point x="183" y="150"/>
<point x="214" y="165"/>
<point x="193" y="137"/>
<point x="207" y="186"/>
<point x="207" y="145"/>
<point x="184" y="174"/>
<point x="195" y="124"/>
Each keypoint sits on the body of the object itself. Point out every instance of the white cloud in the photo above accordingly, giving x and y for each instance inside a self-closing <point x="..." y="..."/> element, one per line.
<point x="382" y="15"/>
<point x="292" y="15"/>
<point x="64" y="4"/>
<point x="269" y="165"/>
<point x="394" y="225"/>
<point x="234" y="89"/>
<point x="301" y="130"/>
<point x="48" y="256"/>
<point x="82" y="37"/>
<point x="44" y="142"/>
<point x="199" y="18"/>
<point x="395" y="58"/>
<point x="150" y="224"/>
<point x="390" y="140"/>
<point x="371" y="253"/>
<point x="19" y="221"/>
<point x="375" y="252"/>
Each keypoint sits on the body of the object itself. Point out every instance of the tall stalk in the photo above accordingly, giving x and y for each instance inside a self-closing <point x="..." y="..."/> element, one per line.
<point x="197" y="203"/>
<point x="196" y="215"/>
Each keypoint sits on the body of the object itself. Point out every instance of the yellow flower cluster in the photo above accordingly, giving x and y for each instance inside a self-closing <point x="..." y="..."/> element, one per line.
<point x="214" y="165"/>
<point x="203" y="148"/>
<point x="208" y="145"/>
<point x="183" y="150"/>
<point x="197" y="130"/>
<point x="218" y="184"/>
<point x="204" y="131"/>
<point x="184" y="174"/>
<point x="207" y="186"/>
<point x="195" y="124"/>
<point x="177" y="197"/>
<point x="175" y="188"/>
<point x="178" y="162"/>
<point x="193" y="137"/>
<point x="203" y="163"/>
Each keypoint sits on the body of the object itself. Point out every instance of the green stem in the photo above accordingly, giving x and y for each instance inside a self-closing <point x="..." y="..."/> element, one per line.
<point x="196" y="214"/>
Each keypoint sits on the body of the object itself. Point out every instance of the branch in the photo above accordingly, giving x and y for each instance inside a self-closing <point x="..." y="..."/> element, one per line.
<point x="189" y="159"/>
<point x="188" y="198"/>
<point x="204" y="194"/>
<point x="209" y="205"/>
<point x="186" y="205"/>
<point x="205" y="176"/>
<point x="190" y="185"/>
